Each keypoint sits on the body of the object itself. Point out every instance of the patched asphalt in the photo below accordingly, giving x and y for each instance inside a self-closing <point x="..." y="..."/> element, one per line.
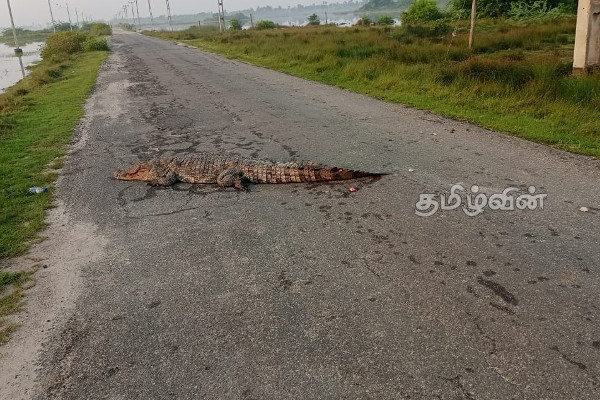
<point x="313" y="291"/>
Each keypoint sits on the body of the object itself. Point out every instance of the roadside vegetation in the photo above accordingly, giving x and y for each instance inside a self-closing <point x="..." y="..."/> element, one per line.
<point x="12" y="285"/>
<point x="26" y="36"/>
<point x="37" y="118"/>
<point x="516" y="79"/>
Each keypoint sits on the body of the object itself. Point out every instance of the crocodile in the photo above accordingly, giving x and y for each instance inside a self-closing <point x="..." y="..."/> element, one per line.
<point x="231" y="171"/>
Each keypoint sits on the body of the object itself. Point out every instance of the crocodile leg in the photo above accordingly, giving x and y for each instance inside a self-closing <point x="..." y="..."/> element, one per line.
<point x="232" y="177"/>
<point x="165" y="180"/>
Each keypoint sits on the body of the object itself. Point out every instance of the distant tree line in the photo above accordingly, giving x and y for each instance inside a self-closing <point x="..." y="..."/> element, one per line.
<point x="429" y="10"/>
<point x="423" y="11"/>
<point x="510" y="8"/>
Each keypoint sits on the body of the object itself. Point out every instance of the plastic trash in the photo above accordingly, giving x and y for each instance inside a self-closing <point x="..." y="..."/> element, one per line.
<point x="36" y="190"/>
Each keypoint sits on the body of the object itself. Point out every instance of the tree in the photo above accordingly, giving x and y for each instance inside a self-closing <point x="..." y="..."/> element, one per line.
<point x="421" y="11"/>
<point x="378" y="4"/>
<point x="234" y="24"/>
<point x="100" y="29"/>
<point x="364" y="21"/>
<point x="314" y="20"/>
<point x="385" y="20"/>
<point x="502" y="8"/>
<point x="265" y="25"/>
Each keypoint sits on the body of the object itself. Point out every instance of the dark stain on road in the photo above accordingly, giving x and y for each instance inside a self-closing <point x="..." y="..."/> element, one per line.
<point x="499" y="290"/>
<point x="568" y="359"/>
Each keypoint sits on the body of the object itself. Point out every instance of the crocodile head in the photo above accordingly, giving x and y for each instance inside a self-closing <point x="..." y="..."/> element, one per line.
<point x="139" y="172"/>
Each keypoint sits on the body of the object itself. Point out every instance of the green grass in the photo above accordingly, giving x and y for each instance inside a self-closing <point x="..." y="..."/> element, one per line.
<point x="37" y="118"/>
<point x="516" y="79"/>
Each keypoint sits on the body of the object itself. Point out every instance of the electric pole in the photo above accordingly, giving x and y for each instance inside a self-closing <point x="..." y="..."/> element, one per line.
<point x="472" y="31"/>
<point x="18" y="51"/>
<point x="69" y="14"/>
<point x="221" y="17"/>
<point x="151" y="17"/>
<point x="138" y="13"/>
<point x="52" y="17"/>
<point x="169" y="15"/>
<point x="132" y="14"/>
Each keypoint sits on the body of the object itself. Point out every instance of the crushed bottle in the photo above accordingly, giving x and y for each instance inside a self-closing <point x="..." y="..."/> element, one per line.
<point x="36" y="190"/>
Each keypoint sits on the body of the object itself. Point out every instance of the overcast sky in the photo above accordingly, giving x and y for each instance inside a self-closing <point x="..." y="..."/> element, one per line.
<point x="30" y="12"/>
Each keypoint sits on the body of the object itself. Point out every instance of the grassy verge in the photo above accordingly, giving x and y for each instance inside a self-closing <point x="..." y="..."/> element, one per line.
<point x="37" y="117"/>
<point x="516" y="79"/>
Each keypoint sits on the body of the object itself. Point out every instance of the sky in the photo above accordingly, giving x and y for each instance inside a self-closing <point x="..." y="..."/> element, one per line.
<point x="37" y="12"/>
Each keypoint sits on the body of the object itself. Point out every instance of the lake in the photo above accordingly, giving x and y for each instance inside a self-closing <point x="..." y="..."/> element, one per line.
<point x="10" y="69"/>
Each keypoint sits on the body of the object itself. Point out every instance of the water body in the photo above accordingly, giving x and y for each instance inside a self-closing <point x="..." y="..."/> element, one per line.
<point x="10" y="69"/>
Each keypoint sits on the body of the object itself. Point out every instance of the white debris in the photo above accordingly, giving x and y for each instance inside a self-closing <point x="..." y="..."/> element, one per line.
<point x="583" y="209"/>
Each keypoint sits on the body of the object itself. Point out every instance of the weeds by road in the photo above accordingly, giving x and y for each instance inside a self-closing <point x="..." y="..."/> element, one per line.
<point x="37" y="118"/>
<point x="517" y="78"/>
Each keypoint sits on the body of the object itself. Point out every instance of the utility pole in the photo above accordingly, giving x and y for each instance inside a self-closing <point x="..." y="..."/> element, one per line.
<point x="472" y="31"/>
<point x="169" y="15"/>
<point x="151" y="17"/>
<point x="586" y="53"/>
<point x="138" y="13"/>
<point x="221" y="17"/>
<point x="69" y="14"/>
<point x="132" y="14"/>
<point x="18" y="51"/>
<point x="52" y="17"/>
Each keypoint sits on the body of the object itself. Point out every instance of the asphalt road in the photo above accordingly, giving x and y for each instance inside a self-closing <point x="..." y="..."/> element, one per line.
<point x="311" y="291"/>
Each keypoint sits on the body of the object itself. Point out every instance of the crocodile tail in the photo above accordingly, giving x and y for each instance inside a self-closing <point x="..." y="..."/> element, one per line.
<point x="325" y="174"/>
<point x="311" y="173"/>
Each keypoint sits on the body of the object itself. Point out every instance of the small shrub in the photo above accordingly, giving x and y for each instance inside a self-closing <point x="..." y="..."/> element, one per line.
<point x="95" y="44"/>
<point x="100" y="29"/>
<point x="515" y="55"/>
<point x="314" y="20"/>
<point x="364" y="21"/>
<point x="422" y="11"/>
<point x="447" y="76"/>
<point x="358" y="52"/>
<point x="408" y="33"/>
<point x="506" y="72"/>
<point x="580" y="90"/>
<point x="266" y="24"/>
<point x="234" y="24"/>
<point x="385" y="20"/>
<point x="494" y="44"/>
<point x="458" y="54"/>
<point x="62" y="44"/>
